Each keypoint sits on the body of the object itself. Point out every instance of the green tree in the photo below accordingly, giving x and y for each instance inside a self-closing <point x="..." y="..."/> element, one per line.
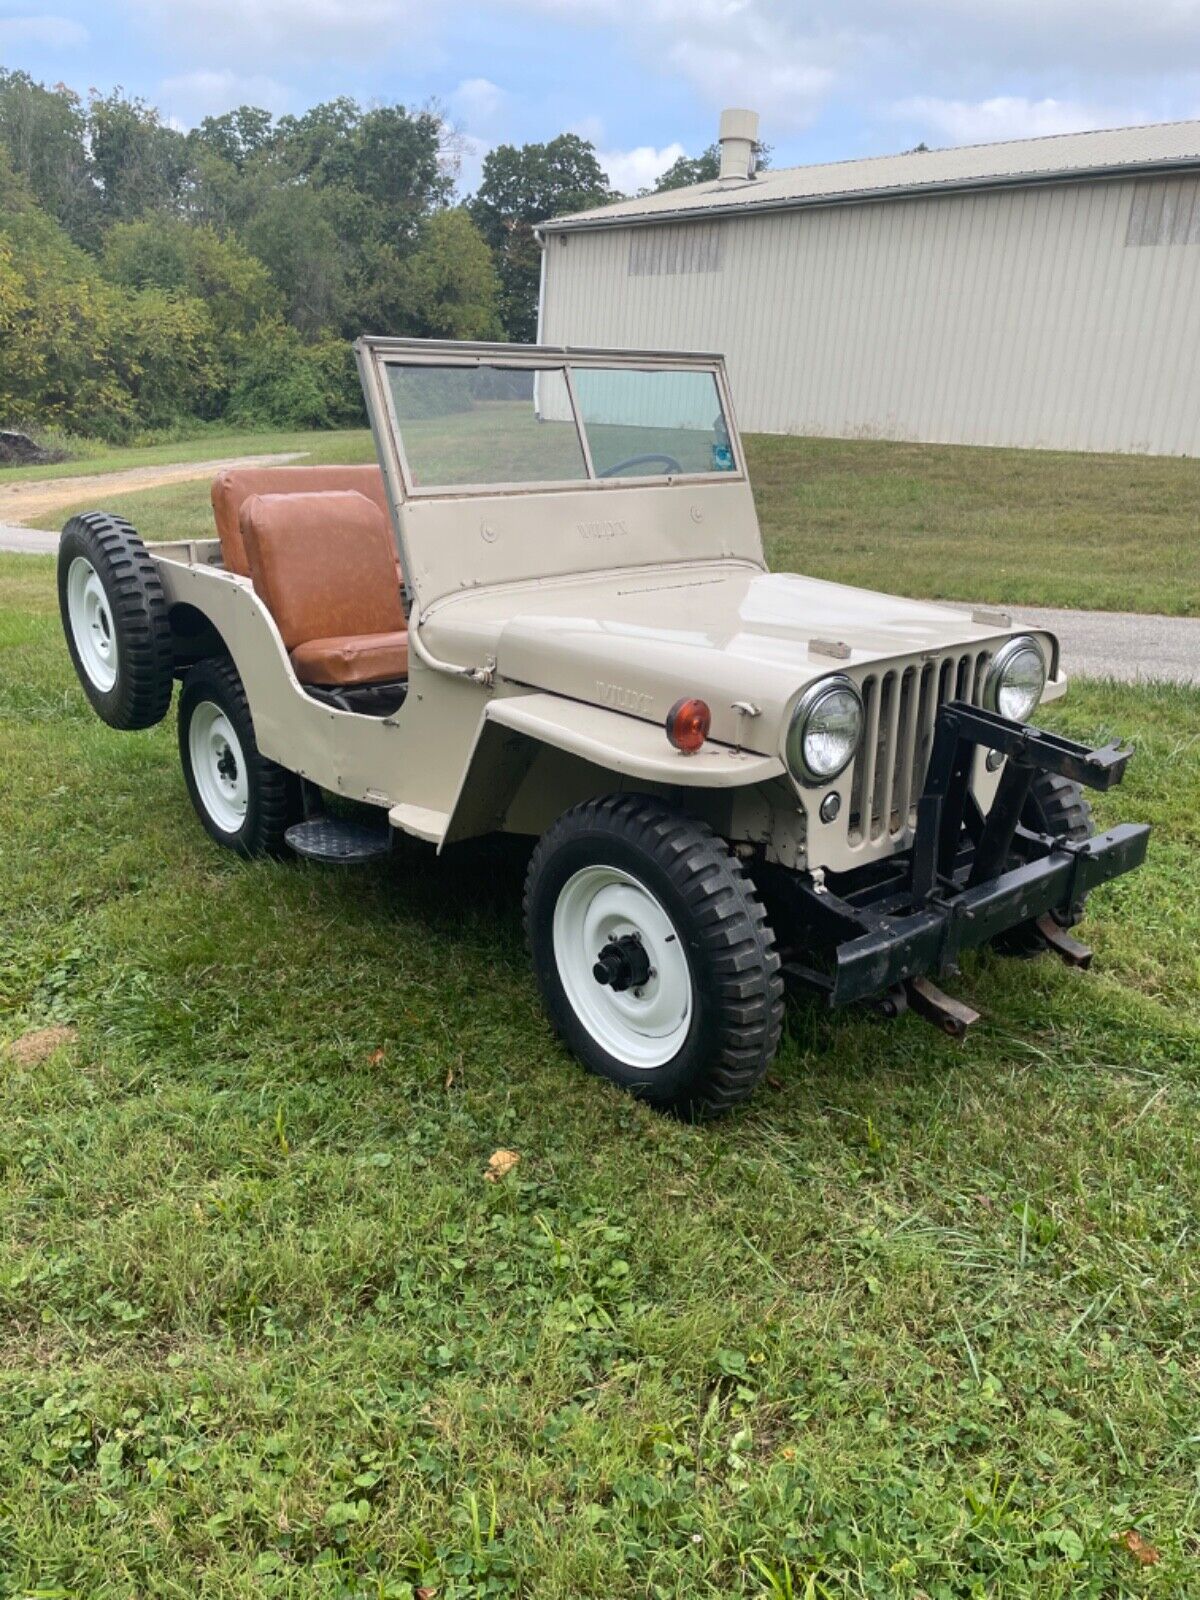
<point x="704" y="168"/>
<point x="182" y="258"/>
<point x="141" y="164"/>
<point x="235" y="137"/>
<point x="45" y="134"/>
<point x="520" y="187"/>
<point x="686" y="170"/>
<point x="450" y="285"/>
<point x="307" y="238"/>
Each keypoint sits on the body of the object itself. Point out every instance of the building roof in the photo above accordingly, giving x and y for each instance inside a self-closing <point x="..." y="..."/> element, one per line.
<point x="1115" y="152"/>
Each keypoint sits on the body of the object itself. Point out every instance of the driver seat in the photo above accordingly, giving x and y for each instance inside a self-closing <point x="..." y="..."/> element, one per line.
<point x="324" y="565"/>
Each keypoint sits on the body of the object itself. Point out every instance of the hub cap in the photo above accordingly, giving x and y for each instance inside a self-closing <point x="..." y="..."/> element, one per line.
<point x="623" y="966"/>
<point x="91" y="624"/>
<point x="218" y="766"/>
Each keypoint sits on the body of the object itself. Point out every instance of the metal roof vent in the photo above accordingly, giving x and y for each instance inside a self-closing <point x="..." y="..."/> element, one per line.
<point x="739" y="145"/>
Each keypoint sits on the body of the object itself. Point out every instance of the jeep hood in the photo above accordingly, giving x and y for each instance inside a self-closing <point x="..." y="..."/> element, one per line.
<point x="639" y="641"/>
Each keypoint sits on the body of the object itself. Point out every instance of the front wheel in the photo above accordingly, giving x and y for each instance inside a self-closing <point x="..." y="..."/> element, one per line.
<point x="1056" y="806"/>
<point x="653" y="955"/>
<point x="246" y="802"/>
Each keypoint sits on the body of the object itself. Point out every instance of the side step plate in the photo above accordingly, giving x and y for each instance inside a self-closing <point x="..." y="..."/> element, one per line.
<point x="339" y="842"/>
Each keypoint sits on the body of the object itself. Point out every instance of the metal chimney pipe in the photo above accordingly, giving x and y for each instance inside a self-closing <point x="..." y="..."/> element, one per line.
<point x="739" y="141"/>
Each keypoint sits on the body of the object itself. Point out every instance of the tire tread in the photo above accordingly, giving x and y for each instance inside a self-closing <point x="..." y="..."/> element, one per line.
<point x="729" y="920"/>
<point x="145" y="677"/>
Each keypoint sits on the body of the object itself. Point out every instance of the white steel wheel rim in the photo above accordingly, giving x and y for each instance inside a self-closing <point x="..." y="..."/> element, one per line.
<point x="645" y="1027"/>
<point x="218" y="767"/>
<point x="92" y="624"/>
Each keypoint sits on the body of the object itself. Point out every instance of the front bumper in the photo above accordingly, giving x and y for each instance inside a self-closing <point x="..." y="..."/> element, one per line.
<point x="931" y="939"/>
<point x="966" y="878"/>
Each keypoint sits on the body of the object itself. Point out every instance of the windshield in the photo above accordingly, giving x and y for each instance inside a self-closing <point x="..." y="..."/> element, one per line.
<point x="486" y="425"/>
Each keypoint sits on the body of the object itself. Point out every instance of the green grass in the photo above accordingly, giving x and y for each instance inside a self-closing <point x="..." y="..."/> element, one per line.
<point x="921" y="1322"/>
<point x="1043" y="528"/>
<point x="1115" y="533"/>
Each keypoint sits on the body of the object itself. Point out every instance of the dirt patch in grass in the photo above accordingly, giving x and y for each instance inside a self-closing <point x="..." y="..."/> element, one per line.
<point x="22" y="502"/>
<point x="38" y="1045"/>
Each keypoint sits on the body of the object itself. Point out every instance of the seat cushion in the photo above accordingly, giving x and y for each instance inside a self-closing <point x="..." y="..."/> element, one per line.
<point x="365" y="658"/>
<point x="323" y="565"/>
<point x="233" y="487"/>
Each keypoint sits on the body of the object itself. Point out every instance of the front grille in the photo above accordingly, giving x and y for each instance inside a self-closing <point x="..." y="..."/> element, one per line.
<point x="899" y="708"/>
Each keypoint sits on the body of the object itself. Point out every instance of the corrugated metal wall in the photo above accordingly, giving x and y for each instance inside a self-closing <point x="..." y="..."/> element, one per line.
<point x="1063" y="317"/>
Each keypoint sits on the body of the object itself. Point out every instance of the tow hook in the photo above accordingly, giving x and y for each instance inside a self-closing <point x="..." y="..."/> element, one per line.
<point x="1071" y="950"/>
<point x="952" y="1016"/>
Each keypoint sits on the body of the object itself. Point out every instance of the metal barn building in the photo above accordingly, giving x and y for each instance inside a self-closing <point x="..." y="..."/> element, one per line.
<point x="1042" y="292"/>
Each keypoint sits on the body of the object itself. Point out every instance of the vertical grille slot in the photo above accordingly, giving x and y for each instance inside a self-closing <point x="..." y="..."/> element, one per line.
<point x="900" y="710"/>
<point x="906" y="743"/>
<point x="864" y="766"/>
<point x="885" y="762"/>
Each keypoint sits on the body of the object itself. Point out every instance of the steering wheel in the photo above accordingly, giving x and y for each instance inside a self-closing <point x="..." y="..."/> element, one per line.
<point x="669" y="462"/>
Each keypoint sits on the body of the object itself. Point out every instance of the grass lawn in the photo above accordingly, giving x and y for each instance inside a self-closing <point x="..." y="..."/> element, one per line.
<point x="923" y="1321"/>
<point x="1115" y="533"/>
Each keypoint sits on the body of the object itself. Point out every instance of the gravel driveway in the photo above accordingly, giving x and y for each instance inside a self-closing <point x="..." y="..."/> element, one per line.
<point x="1122" y="644"/>
<point x="33" y="497"/>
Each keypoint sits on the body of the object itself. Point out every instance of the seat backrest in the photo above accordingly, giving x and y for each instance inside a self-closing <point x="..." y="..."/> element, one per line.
<point x="233" y="487"/>
<point x="323" y="564"/>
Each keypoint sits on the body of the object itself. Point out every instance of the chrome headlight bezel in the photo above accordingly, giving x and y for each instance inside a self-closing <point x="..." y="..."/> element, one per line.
<point x="1008" y="652"/>
<point x="794" y="752"/>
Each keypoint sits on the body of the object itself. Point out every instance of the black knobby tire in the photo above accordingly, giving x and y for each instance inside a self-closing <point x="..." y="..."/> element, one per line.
<point x="133" y="615"/>
<point x="273" y="798"/>
<point x="1059" y="807"/>
<point x="736" y="987"/>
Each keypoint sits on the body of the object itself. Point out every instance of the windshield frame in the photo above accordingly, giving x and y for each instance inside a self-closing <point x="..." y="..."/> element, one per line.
<point x="381" y="354"/>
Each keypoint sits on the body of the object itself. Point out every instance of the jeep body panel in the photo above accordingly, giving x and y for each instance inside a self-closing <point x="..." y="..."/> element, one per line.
<point x="553" y="625"/>
<point x="635" y="640"/>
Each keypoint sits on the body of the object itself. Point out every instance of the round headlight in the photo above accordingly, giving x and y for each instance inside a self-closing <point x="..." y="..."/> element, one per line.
<point x="1015" y="679"/>
<point x="825" y="729"/>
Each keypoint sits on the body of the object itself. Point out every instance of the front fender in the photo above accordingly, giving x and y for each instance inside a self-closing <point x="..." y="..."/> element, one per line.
<point x="514" y="728"/>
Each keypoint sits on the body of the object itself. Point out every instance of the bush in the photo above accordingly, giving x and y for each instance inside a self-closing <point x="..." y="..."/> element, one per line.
<point x="285" y="381"/>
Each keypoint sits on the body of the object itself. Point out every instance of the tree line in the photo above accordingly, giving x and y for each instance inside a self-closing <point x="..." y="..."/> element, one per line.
<point x="151" y="276"/>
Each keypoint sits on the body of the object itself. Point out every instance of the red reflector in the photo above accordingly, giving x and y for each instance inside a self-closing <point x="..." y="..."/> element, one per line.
<point x="688" y="722"/>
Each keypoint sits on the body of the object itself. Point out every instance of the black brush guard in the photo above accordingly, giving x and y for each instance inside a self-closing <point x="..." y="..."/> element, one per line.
<point x="966" y="878"/>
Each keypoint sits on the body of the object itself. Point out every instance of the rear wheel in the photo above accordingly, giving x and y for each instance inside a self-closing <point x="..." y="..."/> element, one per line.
<point x="653" y="954"/>
<point x="246" y="802"/>
<point x="114" y="616"/>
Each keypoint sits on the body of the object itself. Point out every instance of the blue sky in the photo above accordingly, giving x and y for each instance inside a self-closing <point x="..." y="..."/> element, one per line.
<point x="643" y="79"/>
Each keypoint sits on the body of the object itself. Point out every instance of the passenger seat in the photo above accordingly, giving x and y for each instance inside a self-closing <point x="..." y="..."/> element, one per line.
<point x="324" y="565"/>
<point x="234" y="486"/>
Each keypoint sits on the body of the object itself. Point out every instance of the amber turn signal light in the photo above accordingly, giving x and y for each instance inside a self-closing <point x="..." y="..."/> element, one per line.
<point x="688" y="722"/>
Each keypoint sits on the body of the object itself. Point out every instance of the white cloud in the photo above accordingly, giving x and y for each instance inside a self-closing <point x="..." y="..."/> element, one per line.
<point x="1006" y="117"/>
<point x="471" y="153"/>
<point x="772" y="55"/>
<point x="951" y="70"/>
<point x="232" y="32"/>
<point x="631" y="170"/>
<point x="479" y="102"/>
<point x="54" y="32"/>
<point x="191" y="96"/>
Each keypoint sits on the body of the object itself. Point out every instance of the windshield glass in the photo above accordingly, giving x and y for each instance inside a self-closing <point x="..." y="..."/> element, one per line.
<point x="488" y="425"/>
<point x="646" y="423"/>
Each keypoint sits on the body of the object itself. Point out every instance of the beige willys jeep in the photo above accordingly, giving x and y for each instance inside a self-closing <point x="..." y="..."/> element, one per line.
<point x="547" y="612"/>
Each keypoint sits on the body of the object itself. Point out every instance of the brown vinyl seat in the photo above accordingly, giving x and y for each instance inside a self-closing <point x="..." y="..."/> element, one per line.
<point x="233" y="487"/>
<point x="324" y="566"/>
